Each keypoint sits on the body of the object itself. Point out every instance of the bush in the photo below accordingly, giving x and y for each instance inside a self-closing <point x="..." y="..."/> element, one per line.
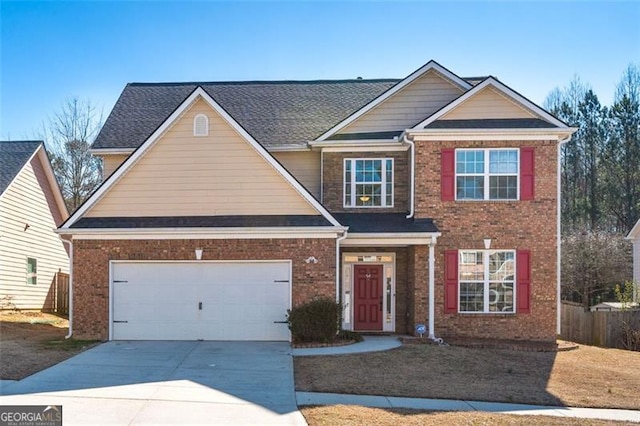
<point x="315" y="321"/>
<point x="350" y="335"/>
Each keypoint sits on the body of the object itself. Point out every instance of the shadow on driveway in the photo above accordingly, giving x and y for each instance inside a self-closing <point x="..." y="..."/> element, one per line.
<point x="169" y="382"/>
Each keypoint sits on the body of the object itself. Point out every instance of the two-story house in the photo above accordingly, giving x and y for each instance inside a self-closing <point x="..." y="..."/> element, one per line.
<point x="432" y="199"/>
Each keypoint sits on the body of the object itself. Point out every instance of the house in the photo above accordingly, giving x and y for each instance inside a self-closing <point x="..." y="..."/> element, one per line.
<point x="31" y="208"/>
<point x="613" y="306"/>
<point x="427" y="200"/>
<point x="634" y="237"/>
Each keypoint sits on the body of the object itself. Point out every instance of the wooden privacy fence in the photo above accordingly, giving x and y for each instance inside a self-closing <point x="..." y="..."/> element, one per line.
<point x="61" y="293"/>
<point x="601" y="328"/>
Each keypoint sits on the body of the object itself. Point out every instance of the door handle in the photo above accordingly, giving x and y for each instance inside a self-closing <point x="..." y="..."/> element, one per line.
<point x="200" y="306"/>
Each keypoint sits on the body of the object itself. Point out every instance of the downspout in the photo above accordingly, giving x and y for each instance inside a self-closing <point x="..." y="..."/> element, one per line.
<point x="412" y="184"/>
<point x="70" y="244"/>
<point x="559" y="237"/>
<point x="344" y="235"/>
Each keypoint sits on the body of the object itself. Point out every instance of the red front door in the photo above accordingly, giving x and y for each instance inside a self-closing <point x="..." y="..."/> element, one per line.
<point x="367" y="297"/>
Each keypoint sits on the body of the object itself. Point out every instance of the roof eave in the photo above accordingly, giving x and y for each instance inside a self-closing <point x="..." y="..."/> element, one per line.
<point x="553" y="133"/>
<point x="204" y="232"/>
<point x="111" y="151"/>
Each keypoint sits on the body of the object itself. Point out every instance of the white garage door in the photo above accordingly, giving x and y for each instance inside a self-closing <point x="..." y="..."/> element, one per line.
<point x="200" y="300"/>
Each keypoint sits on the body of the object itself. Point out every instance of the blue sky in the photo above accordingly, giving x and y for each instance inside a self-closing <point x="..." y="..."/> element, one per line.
<point x="52" y="51"/>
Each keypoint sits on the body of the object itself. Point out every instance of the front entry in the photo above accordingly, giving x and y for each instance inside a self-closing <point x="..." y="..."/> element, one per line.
<point x="367" y="297"/>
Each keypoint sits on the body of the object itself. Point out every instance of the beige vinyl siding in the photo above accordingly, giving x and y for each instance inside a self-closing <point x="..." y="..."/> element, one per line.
<point x="304" y="166"/>
<point x="409" y="106"/>
<point x="25" y="202"/>
<point x="110" y="162"/>
<point x="487" y="103"/>
<point x="186" y="175"/>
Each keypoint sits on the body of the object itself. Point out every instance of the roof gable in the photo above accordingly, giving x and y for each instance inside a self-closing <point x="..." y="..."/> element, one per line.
<point x="491" y="100"/>
<point x="431" y="66"/>
<point x="14" y="155"/>
<point x="204" y="180"/>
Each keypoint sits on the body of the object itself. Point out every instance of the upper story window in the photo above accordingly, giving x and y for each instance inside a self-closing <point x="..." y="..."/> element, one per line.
<point x="201" y="125"/>
<point x="487" y="281"/>
<point x="368" y="182"/>
<point x="487" y="174"/>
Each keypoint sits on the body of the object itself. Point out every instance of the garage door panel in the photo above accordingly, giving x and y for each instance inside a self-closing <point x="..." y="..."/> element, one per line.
<point x="240" y="300"/>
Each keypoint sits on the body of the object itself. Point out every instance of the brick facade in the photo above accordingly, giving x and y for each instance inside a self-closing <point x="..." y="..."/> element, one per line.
<point x="333" y="181"/>
<point x="510" y="225"/>
<point x="91" y="269"/>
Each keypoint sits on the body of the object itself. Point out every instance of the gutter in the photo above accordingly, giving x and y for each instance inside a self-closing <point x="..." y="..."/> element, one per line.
<point x="412" y="149"/>
<point x="559" y="237"/>
<point x="70" y="244"/>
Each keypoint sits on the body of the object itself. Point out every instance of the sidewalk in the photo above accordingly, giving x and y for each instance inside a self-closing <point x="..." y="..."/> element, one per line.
<point x="313" y="398"/>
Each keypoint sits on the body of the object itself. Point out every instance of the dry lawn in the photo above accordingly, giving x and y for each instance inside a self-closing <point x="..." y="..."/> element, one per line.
<point x="585" y="377"/>
<point x="355" y="415"/>
<point x="31" y="341"/>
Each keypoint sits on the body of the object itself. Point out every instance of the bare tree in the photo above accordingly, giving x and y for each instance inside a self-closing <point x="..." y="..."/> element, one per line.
<point x="68" y="136"/>
<point x="593" y="262"/>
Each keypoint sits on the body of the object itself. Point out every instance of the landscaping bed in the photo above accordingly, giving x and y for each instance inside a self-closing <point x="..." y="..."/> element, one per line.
<point x="31" y="341"/>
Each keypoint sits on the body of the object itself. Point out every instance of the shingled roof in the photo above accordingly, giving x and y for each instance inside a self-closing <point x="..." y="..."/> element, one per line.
<point x="281" y="113"/>
<point x="13" y="156"/>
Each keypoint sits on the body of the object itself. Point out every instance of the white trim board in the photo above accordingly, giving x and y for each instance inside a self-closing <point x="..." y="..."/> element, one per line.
<point x="199" y="92"/>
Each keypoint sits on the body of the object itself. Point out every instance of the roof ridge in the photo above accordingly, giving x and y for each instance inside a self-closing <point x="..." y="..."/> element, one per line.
<point x="22" y="141"/>
<point x="249" y="82"/>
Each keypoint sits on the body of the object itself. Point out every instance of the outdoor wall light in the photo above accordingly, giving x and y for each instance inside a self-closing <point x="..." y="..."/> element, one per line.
<point x="199" y="254"/>
<point x="487" y="243"/>
<point x="311" y="259"/>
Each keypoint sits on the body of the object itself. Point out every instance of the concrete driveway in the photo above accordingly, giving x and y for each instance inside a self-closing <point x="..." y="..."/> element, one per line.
<point x="168" y="383"/>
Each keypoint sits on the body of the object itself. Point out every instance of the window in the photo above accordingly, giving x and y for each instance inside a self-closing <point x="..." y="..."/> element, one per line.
<point x="488" y="284"/>
<point x="487" y="174"/>
<point x="201" y="125"/>
<point x="368" y="182"/>
<point x="32" y="271"/>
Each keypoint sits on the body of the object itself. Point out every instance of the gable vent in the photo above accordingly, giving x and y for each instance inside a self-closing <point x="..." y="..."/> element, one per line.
<point x="201" y="125"/>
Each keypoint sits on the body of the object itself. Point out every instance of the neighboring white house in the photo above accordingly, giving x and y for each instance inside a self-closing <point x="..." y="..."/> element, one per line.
<point x="612" y="306"/>
<point x="634" y="237"/>
<point x="31" y="207"/>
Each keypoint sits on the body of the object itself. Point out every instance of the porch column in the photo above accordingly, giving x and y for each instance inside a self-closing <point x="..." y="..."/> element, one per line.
<point x="432" y="275"/>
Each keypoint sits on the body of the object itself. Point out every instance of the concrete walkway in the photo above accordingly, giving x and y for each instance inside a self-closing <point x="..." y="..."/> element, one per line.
<point x="370" y="344"/>
<point x="312" y="398"/>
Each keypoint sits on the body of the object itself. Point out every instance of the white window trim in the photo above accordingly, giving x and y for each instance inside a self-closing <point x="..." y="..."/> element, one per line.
<point x="486" y="283"/>
<point x="486" y="175"/>
<point x="347" y="289"/>
<point x="32" y="274"/>
<point x="195" y="125"/>
<point x="383" y="184"/>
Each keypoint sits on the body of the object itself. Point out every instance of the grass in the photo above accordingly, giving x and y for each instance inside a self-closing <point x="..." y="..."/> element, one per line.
<point x="33" y="341"/>
<point x="68" y="344"/>
<point x="356" y="415"/>
<point x="586" y="377"/>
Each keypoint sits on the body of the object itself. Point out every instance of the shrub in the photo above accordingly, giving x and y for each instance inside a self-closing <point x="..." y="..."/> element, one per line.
<point x="315" y="321"/>
<point x="350" y="335"/>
